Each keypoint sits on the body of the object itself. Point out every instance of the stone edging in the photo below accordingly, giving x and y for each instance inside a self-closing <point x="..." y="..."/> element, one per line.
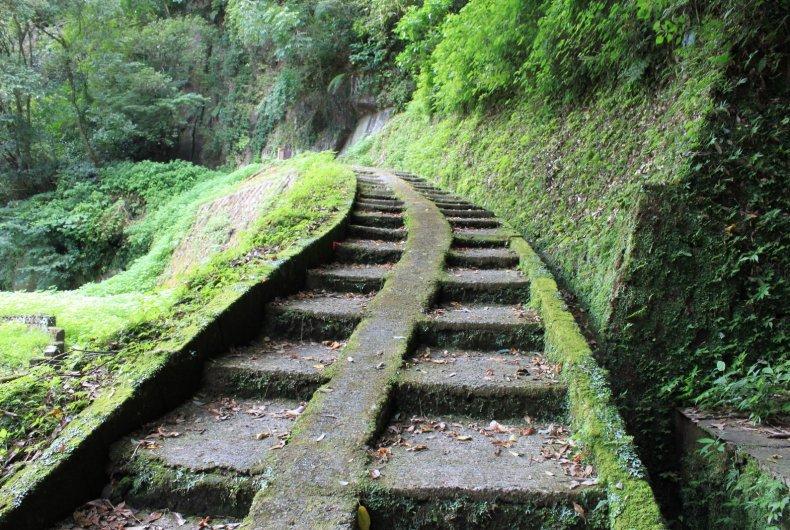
<point x="594" y="418"/>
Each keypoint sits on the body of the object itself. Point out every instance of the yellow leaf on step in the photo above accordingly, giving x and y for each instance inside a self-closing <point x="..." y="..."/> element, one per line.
<point x="363" y="518"/>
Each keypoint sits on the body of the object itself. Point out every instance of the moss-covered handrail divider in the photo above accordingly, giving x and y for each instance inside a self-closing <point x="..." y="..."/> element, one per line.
<point x="594" y="418"/>
<point x="72" y="470"/>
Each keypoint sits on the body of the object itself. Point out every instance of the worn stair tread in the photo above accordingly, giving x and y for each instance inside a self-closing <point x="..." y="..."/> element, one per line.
<point x="363" y="206"/>
<point x="372" y="244"/>
<point x="365" y="218"/>
<point x="485" y="279"/>
<point x="221" y="434"/>
<point x="269" y="356"/>
<point x="323" y="304"/>
<point x="458" y="316"/>
<point x="367" y="196"/>
<point x="377" y="232"/>
<point x="458" y="456"/>
<point x="468" y="232"/>
<point x="112" y="517"/>
<point x="482" y="257"/>
<point x="478" y="222"/>
<point x="390" y="201"/>
<point x="350" y="277"/>
<point x="464" y="213"/>
<point x="353" y="271"/>
<point x="480" y="370"/>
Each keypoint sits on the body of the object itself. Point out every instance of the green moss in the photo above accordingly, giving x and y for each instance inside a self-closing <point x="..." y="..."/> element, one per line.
<point x="388" y="510"/>
<point x="594" y="419"/>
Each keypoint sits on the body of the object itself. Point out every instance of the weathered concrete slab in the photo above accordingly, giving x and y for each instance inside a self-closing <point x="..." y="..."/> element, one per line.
<point x="272" y="368"/>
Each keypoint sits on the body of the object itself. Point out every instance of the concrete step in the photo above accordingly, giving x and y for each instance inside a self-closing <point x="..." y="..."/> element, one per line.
<point x="479" y="238"/>
<point x="503" y="286"/>
<point x="382" y="195"/>
<point x="473" y="222"/>
<point x="374" y="207"/>
<point x="489" y="258"/>
<point x="466" y="212"/>
<point x="379" y="219"/>
<point x="483" y="326"/>
<point x="454" y="204"/>
<point x="505" y="383"/>
<point x="446" y="468"/>
<point x="204" y="457"/>
<point x="369" y="251"/>
<point x="348" y="278"/>
<point x="376" y="233"/>
<point x="272" y="368"/>
<point x="315" y="315"/>
<point x="380" y="202"/>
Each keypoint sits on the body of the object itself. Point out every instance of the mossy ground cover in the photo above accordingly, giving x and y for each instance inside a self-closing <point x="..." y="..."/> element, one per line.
<point x="49" y="400"/>
<point x="18" y="343"/>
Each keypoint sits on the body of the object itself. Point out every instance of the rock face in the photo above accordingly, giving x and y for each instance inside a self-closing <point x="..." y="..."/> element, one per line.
<point x="367" y="125"/>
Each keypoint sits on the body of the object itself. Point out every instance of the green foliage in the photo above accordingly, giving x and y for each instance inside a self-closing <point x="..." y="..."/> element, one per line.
<point x="725" y="489"/>
<point x="85" y="228"/>
<point x="18" y="343"/>
<point x="762" y="391"/>
<point x="480" y="52"/>
<point x="420" y="30"/>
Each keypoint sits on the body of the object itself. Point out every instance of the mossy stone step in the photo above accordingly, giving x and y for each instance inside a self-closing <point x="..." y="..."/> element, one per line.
<point x="316" y="315"/>
<point x="376" y="233"/>
<point x="369" y="251"/>
<point x="459" y="472"/>
<point x="504" y="383"/>
<point x="480" y="326"/>
<point x="158" y="518"/>
<point x="444" y="198"/>
<point x="272" y="368"/>
<point x="474" y="222"/>
<point x="466" y="212"/>
<point x="373" y="190"/>
<point x="454" y="205"/>
<point x="479" y="238"/>
<point x="380" y="202"/>
<point x="382" y="196"/>
<point x="490" y="258"/>
<point x="504" y="286"/>
<point x="367" y="206"/>
<point x="203" y="458"/>
<point x="349" y="278"/>
<point x="383" y="219"/>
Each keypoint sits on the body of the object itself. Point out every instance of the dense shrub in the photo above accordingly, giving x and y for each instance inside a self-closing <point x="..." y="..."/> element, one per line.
<point x="86" y="227"/>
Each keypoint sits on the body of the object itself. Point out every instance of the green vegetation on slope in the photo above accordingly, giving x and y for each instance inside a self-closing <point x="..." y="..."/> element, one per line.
<point x="18" y="343"/>
<point x="642" y="147"/>
<point x="139" y="339"/>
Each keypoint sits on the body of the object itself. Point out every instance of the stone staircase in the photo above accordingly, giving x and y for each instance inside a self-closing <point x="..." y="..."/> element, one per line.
<point x="404" y="387"/>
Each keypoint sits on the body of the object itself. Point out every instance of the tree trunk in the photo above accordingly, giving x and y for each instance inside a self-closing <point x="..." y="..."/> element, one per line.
<point x="81" y="121"/>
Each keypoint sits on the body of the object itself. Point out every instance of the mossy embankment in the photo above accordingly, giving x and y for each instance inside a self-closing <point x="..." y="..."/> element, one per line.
<point x="660" y="207"/>
<point x="65" y="414"/>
